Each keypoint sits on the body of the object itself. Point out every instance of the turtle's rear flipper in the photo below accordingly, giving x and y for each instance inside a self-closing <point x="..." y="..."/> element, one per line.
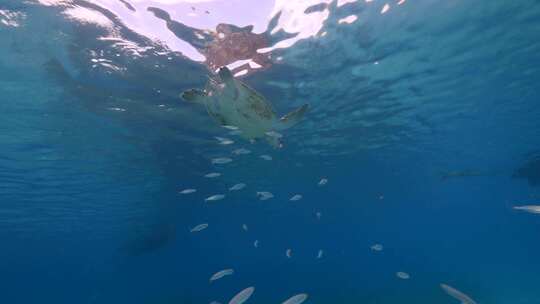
<point x="292" y="118"/>
<point x="193" y="95"/>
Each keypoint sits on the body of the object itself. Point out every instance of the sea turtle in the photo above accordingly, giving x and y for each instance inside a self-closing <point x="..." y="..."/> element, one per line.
<point x="232" y="103"/>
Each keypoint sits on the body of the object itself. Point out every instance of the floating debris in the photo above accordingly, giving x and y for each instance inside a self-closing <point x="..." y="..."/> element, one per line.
<point x="256" y="244"/>
<point x="224" y="141"/>
<point x="377" y="247"/>
<point x="242" y="296"/>
<point x="212" y="175"/>
<point x="237" y="187"/>
<point x="320" y="254"/>
<point x="318" y="214"/>
<point x="221" y="160"/>
<point x="215" y="197"/>
<point x="288" y="253"/>
<point x="323" y="182"/>
<point x="199" y="227"/>
<point x="530" y="208"/>
<point x="188" y="191"/>
<point x="264" y="195"/>
<point x="403" y="275"/>
<point x="245" y="227"/>
<point x="297" y="299"/>
<point x="266" y="157"/>
<point x="241" y="151"/>
<point x="465" y="299"/>
<point x="220" y="274"/>
<point x="296" y="197"/>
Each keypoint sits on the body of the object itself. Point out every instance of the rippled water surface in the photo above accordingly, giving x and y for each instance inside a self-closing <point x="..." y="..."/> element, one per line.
<point x="399" y="185"/>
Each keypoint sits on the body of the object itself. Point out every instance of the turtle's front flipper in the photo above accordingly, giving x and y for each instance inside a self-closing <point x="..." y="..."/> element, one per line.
<point x="225" y="74"/>
<point x="194" y="95"/>
<point x="292" y="118"/>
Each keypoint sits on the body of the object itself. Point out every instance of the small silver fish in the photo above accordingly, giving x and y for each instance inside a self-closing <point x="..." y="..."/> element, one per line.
<point x="318" y="214"/>
<point x="320" y="254"/>
<point x="323" y="182"/>
<point x="242" y="296"/>
<point x="465" y="299"/>
<point x="237" y="187"/>
<point x="529" y="208"/>
<point x="235" y="132"/>
<point x="199" y="227"/>
<point x="288" y="253"/>
<point x="297" y="299"/>
<point x="215" y="197"/>
<point x="266" y="157"/>
<point x="245" y="227"/>
<point x="241" y="151"/>
<point x="403" y="275"/>
<point x="296" y="197"/>
<point x="220" y="274"/>
<point x="224" y="141"/>
<point x="264" y="195"/>
<point x="221" y="160"/>
<point x="377" y="247"/>
<point x="188" y="191"/>
<point x="230" y="127"/>
<point x="256" y="244"/>
<point x="212" y="175"/>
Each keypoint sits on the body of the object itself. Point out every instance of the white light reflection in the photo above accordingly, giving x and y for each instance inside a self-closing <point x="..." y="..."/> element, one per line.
<point x="294" y="20"/>
<point x="385" y="8"/>
<point x="348" y="20"/>
<point x="10" y="19"/>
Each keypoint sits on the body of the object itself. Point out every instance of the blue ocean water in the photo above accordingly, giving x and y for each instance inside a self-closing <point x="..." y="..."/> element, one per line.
<point x="424" y="118"/>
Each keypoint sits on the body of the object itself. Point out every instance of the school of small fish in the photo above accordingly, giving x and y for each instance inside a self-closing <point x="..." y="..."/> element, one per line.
<point x="245" y="294"/>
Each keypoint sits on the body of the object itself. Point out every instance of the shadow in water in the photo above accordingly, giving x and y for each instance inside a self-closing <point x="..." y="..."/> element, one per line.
<point x="530" y="170"/>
